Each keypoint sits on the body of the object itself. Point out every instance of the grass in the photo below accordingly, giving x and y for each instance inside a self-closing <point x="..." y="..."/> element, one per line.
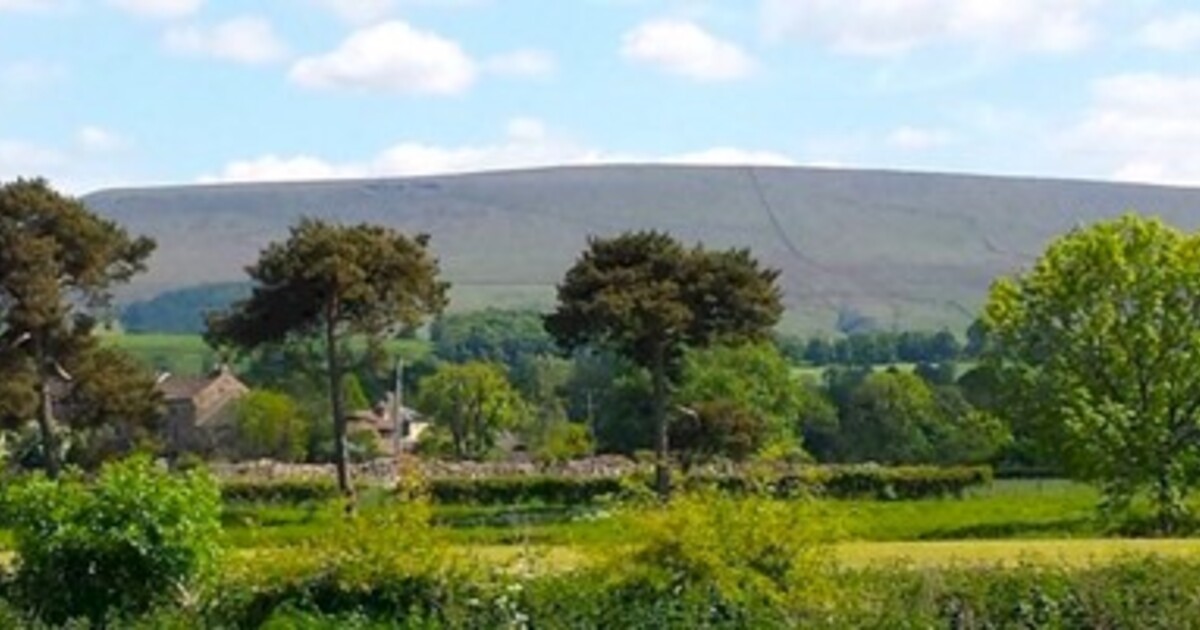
<point x="1048" y="523"/>
<point x="1041" y="522"/>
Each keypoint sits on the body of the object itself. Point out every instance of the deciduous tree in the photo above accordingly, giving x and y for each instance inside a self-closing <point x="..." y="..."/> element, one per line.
<point x="1101" y="338"/>
<point x="474" y="402"/>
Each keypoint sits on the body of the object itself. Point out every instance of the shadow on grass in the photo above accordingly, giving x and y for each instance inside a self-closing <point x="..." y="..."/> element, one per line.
<point x="1046" y="529"/>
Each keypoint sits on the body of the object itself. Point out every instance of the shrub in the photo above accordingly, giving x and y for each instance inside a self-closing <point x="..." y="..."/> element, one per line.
<point x="135" y="537"/>
<point x="557" y="489"/>
<point x="283" y="490"/>
<point x="389" y="564"/>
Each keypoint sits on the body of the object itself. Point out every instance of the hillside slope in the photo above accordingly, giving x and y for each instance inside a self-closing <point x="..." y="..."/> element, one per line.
<point x="909" y="250"/>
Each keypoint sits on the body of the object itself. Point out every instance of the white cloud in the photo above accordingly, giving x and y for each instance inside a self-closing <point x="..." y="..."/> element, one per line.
<point x="527" y="144"/>
<point x="162" y="9"/>
<point x="359" y="11"/>
<point x="1179" y="33"/>
<point x="684" y="48"/>
<point x="891" y="27"/>
<point x="96" y="139"/>
<point x="522" y="63"/>
<point x="23" y="159"/>
<point x="917" y="139"/>
<point x="730" y="156"/>
<point x="249" y="40"/>
<point x="368" y="11"/>
<point x="1141" y="127"/>
<point x="390" y="57"/>
<point x="30" y="6"/>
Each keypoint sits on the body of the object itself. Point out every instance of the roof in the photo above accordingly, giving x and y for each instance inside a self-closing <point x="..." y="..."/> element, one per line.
<point x="184" y="387"/>
<point x="188" y="387"/>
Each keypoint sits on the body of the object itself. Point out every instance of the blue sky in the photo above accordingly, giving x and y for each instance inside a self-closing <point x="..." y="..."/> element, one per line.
<point x="97" y="93"/>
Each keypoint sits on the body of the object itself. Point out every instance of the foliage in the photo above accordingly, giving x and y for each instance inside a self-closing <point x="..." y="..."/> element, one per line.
<point x="845" y="482"/>
<point x="646" y="297"/>
<point x="387" y="564"/>
<point x="897" y="418"/>
<point x="880" y="348"/>
<point x="561" y="441"/>
<point x="516" y="490"/>
<point x="181" y="311"/>
<point x="335" y="281"/>
<point x="136" y="537"/>
<point x="283" y="490"/>
<point x="473" y="402"/>
<point x="720" y="562"/>
<point x="58" y="264"/>
<point x="271" y="424"/>
<point x="491" y="335"/>
<point x="742" y="397"/>
<point x="612" y="396"/>
<point x="1100" y="342"/>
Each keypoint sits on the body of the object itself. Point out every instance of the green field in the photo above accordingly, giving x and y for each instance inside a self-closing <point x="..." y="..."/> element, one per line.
<point x="189" y="355"/>
<point x="1051" y="522"/>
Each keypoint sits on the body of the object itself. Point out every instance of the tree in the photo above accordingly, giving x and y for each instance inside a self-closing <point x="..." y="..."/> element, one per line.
<point x="335" y="281"/>
<point x="501" y="336"/>
<point x="271" y="424"/>
<point x="648" y="298"/>
<point x="747" y="388"/>
<point x="58" y="264"/>
<point x="889" y="419"/>
<point x="474" y="402"/>
<point x="1102" y="339"/>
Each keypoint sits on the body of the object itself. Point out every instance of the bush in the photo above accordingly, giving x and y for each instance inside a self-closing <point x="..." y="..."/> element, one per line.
<point x="845" y="482"/>
<point x="557" y="489"/>
<point x="284" y="490"/>
<point x="389" y="565"/>
<point x="135" y="537"/>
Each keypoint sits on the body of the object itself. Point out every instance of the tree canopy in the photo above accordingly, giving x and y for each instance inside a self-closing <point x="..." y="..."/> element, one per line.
<point x="472" y="402"/>
<point x="58" y="264"/>
<point x="647" y="297"/>
<point x="334" y="281"/>
<point x="1101" y="339"/>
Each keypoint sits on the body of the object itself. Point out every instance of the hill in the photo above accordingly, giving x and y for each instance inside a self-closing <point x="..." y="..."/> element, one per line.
<point x="905" y="250"/>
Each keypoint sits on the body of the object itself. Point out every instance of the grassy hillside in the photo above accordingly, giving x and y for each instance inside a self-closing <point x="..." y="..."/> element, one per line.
<point x="909" y="250"/>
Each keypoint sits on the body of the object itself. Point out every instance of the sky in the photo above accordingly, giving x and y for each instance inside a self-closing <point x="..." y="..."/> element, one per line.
<point x="103" y="93"/>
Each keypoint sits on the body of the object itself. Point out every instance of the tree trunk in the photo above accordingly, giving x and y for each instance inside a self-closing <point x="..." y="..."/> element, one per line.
<point x="1167" y="503"/>
<point x="46" y="423"/>
<point x="45" y="410"/>
<point x="340" y="441"/>
<point x="662" y="465"/>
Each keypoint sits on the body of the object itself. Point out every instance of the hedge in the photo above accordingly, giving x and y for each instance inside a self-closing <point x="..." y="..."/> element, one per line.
<point x="840" y="482"/>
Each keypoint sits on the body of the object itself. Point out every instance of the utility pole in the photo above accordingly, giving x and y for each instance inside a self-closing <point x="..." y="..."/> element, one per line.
<point x="399" y="425"/>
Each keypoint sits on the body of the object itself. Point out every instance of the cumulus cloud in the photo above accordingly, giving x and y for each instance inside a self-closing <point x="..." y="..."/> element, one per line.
<point x="684" y="48"/>
<point x="891" y="27"/>
<point x="522" y="63"/>
<point x="247" y="39"/>
<point x="161" y="9"/>
<point x="527" y="143"/>
<point x="917" y="139"/>
<point x="359" y="11"/>
<point x="1141" y="127"/>
<point x="390" y="57"/>
<point x="1178" y="33"/>
<point x="97" y="139"/>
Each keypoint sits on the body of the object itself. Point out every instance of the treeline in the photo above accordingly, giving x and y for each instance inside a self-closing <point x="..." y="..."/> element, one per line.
<point x="876" y="348"/>
<point x="738" y="402"/>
